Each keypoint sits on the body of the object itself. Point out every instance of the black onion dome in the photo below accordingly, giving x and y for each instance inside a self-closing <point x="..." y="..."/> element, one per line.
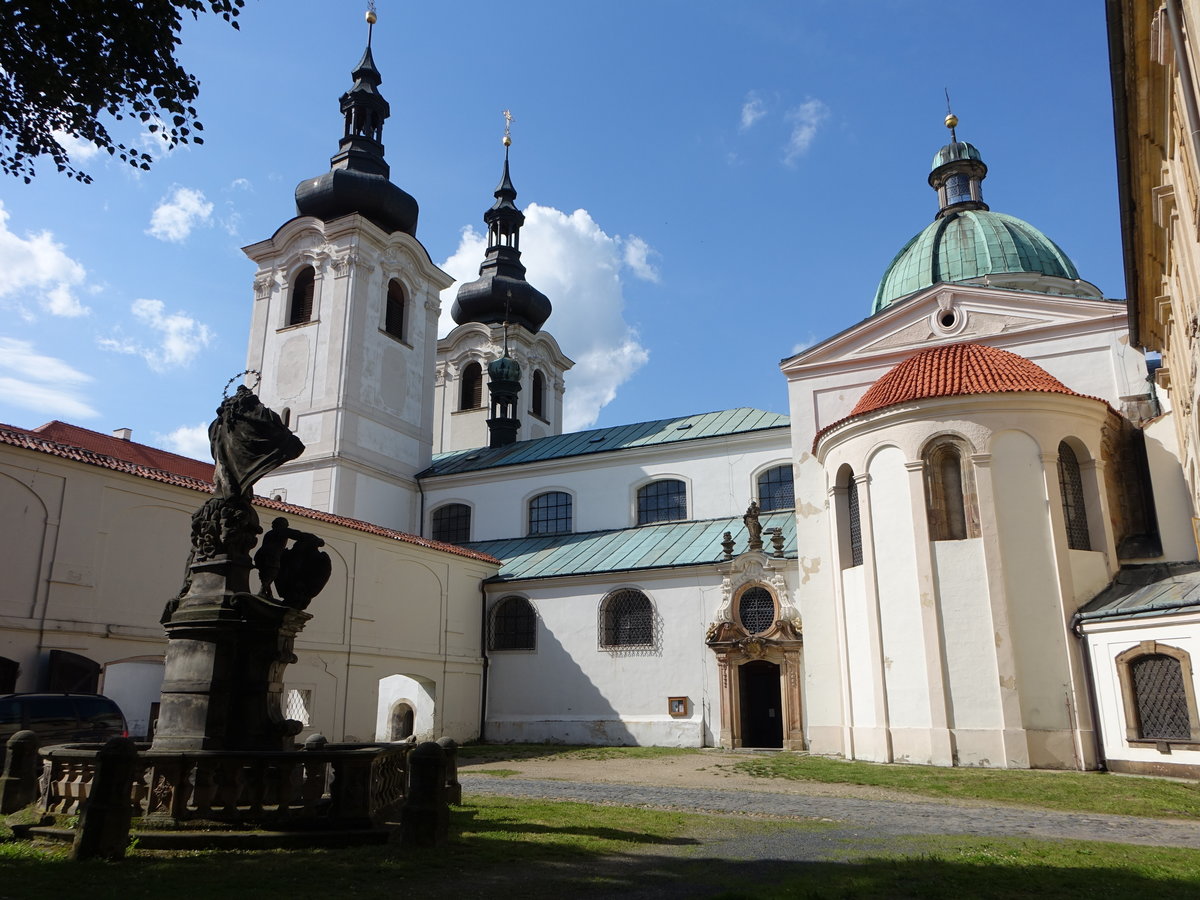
<point x="501" y="293"/>
<point x="357" y="180"/>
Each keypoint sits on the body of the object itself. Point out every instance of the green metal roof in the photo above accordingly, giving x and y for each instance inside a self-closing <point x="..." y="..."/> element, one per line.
<point x="955" y="151"/>
<point x="600" y="440"/>
<point x="970" y="244"/>
<point x="664" y="545"/>
<point x="1139" y="592"/>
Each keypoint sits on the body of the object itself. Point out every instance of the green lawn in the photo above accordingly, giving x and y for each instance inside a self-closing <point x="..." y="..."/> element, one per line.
<point x="547" y="849"/>
<point x="515" y="752"/>
<point x="1096" y="792"/>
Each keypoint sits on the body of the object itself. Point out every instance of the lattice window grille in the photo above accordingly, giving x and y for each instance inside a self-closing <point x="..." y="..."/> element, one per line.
<point x="756" y="610"/>
<point x="662" y="501"/>
<point x="626" y="620"/>
<point x="776" y="489"/>
<point x="855" y="523"/>
<point x="550" y="513"/>
<point x="513" y="625"/>
<point x="1074" y="510"/>
<point x="298" y="705"/>
<point x="452" y="523"/>
<point x="1161" y="702"/>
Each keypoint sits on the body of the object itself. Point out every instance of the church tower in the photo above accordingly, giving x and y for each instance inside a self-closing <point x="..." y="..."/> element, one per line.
<point x="500" y="317"/>
<point x="344" y="327"/>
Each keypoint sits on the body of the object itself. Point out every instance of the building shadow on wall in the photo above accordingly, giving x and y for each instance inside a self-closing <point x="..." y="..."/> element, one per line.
<point x="545" y="696"/>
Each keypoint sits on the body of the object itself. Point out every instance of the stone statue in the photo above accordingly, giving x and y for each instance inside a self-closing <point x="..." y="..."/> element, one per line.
<point x="299" y="573"/>
<point x="248" y="440"/>
<point x="753" y="527"/>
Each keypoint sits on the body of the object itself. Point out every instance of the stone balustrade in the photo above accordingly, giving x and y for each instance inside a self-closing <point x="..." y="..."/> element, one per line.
<point x="332" y="786"/>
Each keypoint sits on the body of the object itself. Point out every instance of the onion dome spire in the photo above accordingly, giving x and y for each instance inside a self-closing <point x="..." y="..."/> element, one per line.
<point x="958" y="172"/>
<point x="501" y="292"/>
<point x="504" y="387"/>
<point x="357" y="180"/>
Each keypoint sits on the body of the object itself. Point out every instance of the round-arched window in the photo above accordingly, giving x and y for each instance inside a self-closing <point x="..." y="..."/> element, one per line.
<point x="756" y="610"/>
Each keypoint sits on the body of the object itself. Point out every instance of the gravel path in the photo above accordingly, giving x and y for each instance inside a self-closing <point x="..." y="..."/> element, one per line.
<point x="875" y="817"/>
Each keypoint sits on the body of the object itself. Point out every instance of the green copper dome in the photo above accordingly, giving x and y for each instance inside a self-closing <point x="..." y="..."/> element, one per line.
<point x="971" y="245"/>
<point x="955" y="150"/>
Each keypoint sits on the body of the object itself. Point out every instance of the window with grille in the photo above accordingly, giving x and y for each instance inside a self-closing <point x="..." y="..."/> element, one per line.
<point x="471" y="387"/>
<point x="304" y="287"/>
<point x="393" y="315"/>
<point x="854" y="522"/>
<point x="756" y="609"/>
<point x="776" y="489"/>
<point x="297" y="705"/>
<point x="452" y="523"/>
<point x="513" y="625"/>
<point x="944" y="498"/>
<point x="537" y="395"/>
<point x="626" y="620"/>
<point x="958" y="189"/>
<point x="662" y="501"/>
<point x="1160" y="698"/>
<point x="550" y="513"/>
<point x="1074" y="511"/>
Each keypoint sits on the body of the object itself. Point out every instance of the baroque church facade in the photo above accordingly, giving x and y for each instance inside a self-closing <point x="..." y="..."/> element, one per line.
<point x="968" y="543"/>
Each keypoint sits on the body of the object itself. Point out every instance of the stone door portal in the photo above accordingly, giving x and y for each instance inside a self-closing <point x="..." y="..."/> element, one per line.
<point x="761" y="704"/>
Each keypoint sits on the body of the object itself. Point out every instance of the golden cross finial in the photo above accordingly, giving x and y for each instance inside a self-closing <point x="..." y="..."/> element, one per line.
<point x="508" y="120"/>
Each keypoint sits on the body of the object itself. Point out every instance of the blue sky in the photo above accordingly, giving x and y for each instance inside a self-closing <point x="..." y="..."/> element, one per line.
<point x="710" y="186"/>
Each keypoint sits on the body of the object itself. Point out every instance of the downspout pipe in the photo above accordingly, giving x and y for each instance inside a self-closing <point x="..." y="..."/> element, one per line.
<point x="1093" y="704"/>
<point x="483" y="686"/>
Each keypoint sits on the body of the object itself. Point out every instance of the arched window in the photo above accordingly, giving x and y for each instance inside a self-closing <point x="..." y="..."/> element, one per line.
<point x="1159" y="694"/>
<point x="393" y="315"/>
<point x="946" y="499"/>
<point x="513" y="625"/>
<point x="550" y="513"/>
<point x="403" y="718"/>
<point x="849" y="519"/>
<point x="756" y="609"/>
<point x="537" y="395"/>
<point x="1071" y="486"/>
<point x="452" y="523"/>
<point x="626" y="620"/>
<point x="776" y="489"/>
<point x="662" y="501"/>
<point x="304" y="286"/>
<point x="471" y="387"/>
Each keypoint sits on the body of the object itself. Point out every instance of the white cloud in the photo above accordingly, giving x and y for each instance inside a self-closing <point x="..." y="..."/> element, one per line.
<point x="578" y="266"/>
<point x="240" y="184"/>
<point x="753" y="109"/>
<point x="803" y="345"/>
<point x="806" y="119"/>
<point x="77" y="148"/>
<point x="178" y="213"/>
<point x="44" y="384"/>
<point x="188" y="440"/>
<point x="179" y="338"/>
<point x="37" y="268"/>
<point x="637" y="258"/>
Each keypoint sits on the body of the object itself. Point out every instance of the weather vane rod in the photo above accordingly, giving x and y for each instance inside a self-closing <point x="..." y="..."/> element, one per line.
<point x="371" y="20"/>
<point x="951" y="118"/>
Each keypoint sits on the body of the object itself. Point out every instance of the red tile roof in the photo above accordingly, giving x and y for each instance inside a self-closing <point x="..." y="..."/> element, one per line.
<point x="93" y="448"/>
<point x="952" y="370"/>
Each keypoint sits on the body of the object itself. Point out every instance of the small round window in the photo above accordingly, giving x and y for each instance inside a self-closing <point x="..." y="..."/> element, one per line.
<point x="756" y="609"/>
<point x="948" y="318"/>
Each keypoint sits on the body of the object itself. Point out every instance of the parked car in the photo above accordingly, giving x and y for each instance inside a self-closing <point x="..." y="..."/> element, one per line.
<point x="60" y="719"/>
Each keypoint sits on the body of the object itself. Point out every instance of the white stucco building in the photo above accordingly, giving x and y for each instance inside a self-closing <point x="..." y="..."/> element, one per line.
<point x="969" y="543"/>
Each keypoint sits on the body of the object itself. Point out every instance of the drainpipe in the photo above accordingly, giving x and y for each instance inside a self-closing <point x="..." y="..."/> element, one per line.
<point x="1093" y="705"/>
<point x="483" y="653"/>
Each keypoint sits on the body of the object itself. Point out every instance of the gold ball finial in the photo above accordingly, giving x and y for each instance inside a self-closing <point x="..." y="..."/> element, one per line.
<point x="952" y="121"/>
<point x="507" y="141"/>
<point x="371" y="17"/>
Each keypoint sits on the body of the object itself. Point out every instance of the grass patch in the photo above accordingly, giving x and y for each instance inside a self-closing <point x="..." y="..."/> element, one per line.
<point x="1096" y="792"/>
<point x="553" y="849"/>
<point x="514" y="752"/>
<point x="499" y="773"/>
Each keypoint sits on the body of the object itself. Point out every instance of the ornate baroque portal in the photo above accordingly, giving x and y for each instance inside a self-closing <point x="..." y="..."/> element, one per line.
<point x="758" y="641"/>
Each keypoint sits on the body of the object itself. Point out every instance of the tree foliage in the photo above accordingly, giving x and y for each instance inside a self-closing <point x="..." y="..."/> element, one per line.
<point x="68" y="66"/>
